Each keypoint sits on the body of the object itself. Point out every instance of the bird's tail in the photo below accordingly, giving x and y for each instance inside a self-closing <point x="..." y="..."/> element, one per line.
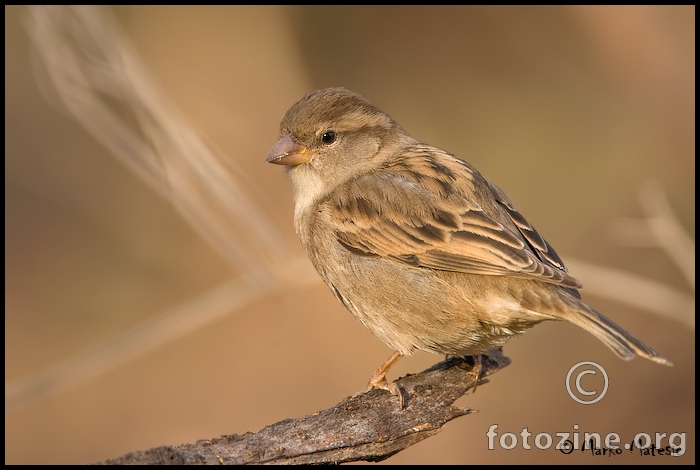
<point x="622" y="343"/>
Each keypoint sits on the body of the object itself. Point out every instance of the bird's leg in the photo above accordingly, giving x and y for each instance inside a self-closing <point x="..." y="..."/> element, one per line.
<point x="378" y="379"/>
<point x="476" y="370"/>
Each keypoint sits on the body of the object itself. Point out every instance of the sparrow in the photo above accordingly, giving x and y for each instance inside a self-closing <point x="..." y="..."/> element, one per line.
<point x="420" y="247"/>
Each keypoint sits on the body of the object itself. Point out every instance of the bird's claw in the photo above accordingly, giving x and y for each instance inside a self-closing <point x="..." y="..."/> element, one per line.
<point x="390" y="387"/>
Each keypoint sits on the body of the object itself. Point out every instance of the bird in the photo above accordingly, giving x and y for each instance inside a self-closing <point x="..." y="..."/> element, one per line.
<point x="418" y="245"/>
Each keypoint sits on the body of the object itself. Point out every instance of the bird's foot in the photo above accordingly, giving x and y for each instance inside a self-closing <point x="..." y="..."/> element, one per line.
<point x="476" y="369"/>
<point x="378" y="379"/>
<point x="390" y="387"/>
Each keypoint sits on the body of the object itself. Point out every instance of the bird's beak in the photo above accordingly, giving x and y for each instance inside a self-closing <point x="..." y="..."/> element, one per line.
<point x="287" y="152"/>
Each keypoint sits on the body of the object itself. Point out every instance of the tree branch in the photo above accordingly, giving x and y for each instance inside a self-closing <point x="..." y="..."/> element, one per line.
<point x="368" y="426"/>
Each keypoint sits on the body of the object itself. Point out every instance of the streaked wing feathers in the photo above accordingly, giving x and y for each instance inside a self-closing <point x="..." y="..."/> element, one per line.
<point x="422" y="209"/>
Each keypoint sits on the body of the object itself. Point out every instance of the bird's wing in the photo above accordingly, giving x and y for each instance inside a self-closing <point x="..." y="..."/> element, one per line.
<point x="427" y="208"/>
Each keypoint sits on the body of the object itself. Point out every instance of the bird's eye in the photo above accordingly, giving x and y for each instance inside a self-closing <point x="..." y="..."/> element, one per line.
<point x="328" y="137"/>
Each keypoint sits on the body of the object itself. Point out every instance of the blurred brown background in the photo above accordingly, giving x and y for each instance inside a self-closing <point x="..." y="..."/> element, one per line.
<point x="568" y="109"/>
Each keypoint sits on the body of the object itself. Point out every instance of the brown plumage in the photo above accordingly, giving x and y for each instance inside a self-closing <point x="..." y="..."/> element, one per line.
<point x="416" y="243"/>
